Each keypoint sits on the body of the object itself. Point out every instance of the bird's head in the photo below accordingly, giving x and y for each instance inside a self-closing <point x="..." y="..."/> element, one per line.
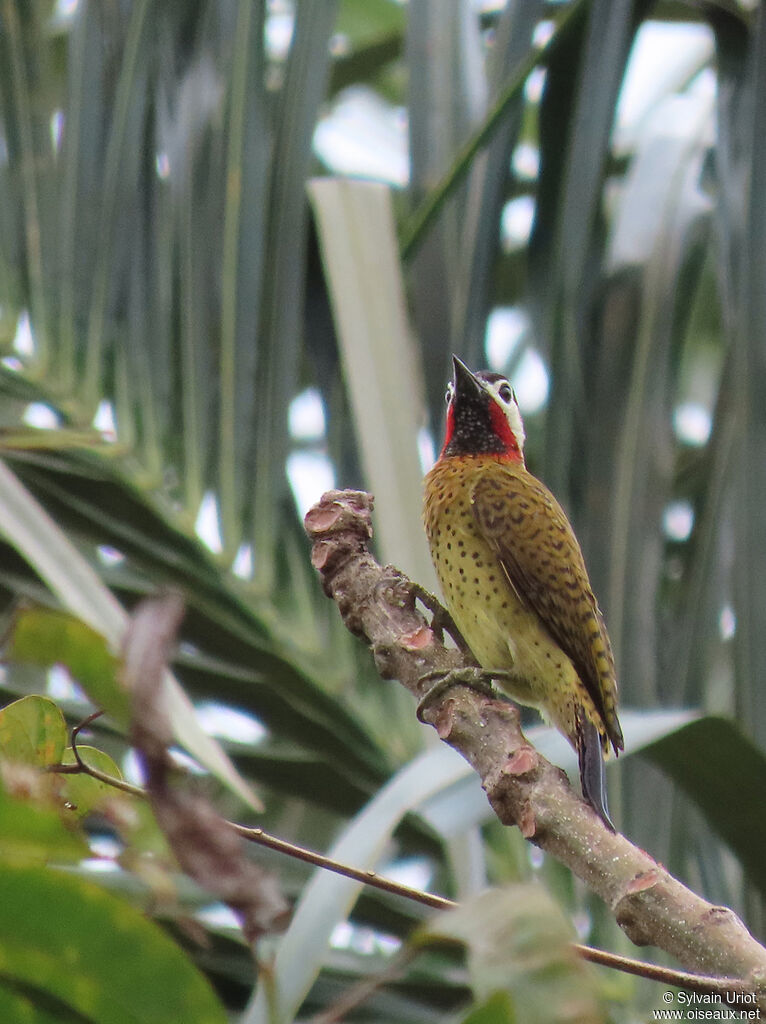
<point x="483" y="416"/>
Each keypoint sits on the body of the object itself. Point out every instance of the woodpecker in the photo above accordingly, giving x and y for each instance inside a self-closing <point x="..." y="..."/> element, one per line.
<point x="513" y="575"/>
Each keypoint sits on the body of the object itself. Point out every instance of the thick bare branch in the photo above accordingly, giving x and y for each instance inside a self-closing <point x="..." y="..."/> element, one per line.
<point x="379" y="605"/>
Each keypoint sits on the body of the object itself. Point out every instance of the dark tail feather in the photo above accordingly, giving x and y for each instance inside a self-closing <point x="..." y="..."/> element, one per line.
<point x="592" y="772"/>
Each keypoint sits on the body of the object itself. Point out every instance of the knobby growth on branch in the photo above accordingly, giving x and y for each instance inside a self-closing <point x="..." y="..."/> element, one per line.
<point x="380" y="606"/>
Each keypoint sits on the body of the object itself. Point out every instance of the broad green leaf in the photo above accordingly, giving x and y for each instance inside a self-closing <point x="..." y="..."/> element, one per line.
<point x="517" y="940"/>
<point x="41" y="636"/>
<point x="498" y="1009"/>
<point x="292" y="701"/>
<point x="32" y="831"/>
<point x="34" y="534"/>
<point x="724" y="773"/>
<point x="95" y="954"/>
<point x="24" y="1008"/>
<point x="32" y="731"/>
<point x="84" y="793"/>
<point x="356" y="228"/>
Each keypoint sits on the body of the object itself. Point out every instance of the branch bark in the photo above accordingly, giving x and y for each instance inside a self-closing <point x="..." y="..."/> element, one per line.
<point x="379" y="605"/>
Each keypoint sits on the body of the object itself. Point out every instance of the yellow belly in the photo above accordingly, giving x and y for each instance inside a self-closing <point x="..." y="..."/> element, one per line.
<point x="500" y="630"/>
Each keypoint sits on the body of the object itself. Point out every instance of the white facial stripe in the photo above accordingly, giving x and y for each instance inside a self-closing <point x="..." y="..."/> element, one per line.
<point x="516" y="422"/>
<point x="512" y="413"/>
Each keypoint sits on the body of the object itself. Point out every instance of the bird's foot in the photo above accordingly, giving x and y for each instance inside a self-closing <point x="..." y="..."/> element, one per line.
<point x="478" y="679"/>
<point x="441" y="620"/>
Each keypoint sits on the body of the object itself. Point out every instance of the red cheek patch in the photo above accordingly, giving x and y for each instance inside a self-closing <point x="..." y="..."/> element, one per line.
<point x="502" y="430"/>
<point x="449" y="429"/>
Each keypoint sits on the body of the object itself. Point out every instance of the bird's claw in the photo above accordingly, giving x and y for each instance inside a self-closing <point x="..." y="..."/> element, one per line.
<point x="441" y="620"/>
<point x="478" y="679"/>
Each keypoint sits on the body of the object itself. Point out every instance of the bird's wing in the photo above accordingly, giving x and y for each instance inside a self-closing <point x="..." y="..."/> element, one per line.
<point x="529" y="532"/>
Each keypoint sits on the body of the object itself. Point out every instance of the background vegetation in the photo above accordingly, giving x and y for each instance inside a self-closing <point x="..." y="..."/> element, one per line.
<point x="172" y="295"/>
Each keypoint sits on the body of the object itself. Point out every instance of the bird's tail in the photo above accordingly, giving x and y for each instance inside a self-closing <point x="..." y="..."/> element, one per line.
<point x="592" y="772"/>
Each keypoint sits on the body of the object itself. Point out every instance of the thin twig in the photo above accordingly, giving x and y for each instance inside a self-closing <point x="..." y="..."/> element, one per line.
<point x="427" y="899"/>
<point x="261" y="838"/>
<point x="84" y="768"/>
<point x="364" y="989"/>
<point x="76" y="732"/>
<point x="664" y="975"/>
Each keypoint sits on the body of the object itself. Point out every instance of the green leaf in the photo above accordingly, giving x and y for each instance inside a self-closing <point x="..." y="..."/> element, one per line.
<point x="422" y="219"/>
<point x="35" y="535"/>
<point x="519" y="942"/>
<point x="31" y="832"/>
<point x="58" y="439"/>
<point x="32" y="731"/>
<point x="487" y="186"/>
<point x="364" y="23"/>
<point x="724" y="773"/>
<point x="96" y="955"/>
<point x="42" y="636"/>
<point x="281" y="327"/>
<point x="83" y="792"/>
<point x="356" y="228"/>
<point x="374" y="32"/>
<point x="21" y="1007"/>
<point x="498" y="1009"/>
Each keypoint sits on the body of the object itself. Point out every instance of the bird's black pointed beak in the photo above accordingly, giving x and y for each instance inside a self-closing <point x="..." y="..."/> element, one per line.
<point x="466" y="383"/>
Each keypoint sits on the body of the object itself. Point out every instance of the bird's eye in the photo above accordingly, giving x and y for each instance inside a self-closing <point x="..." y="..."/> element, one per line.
<point x="449" y="393"/>
<point x="505" y="391"/>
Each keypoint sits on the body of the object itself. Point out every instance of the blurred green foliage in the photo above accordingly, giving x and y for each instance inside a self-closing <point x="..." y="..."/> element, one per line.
<point x="164" y="302"/>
